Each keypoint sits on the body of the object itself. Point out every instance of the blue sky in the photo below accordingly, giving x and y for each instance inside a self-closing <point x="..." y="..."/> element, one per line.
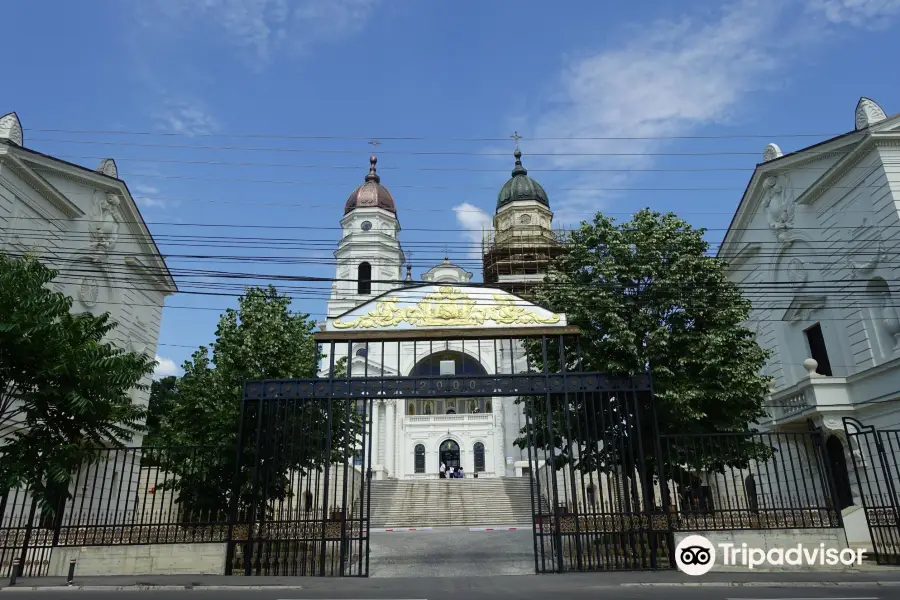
<point x="249" y="118"/>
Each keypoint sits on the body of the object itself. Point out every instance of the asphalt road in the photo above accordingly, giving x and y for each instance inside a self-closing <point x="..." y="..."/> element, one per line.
<point x="488" y="588"/>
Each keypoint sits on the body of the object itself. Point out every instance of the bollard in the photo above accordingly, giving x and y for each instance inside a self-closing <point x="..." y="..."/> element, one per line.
<point x="71" y="575"/>
<point x="15" y="572"/>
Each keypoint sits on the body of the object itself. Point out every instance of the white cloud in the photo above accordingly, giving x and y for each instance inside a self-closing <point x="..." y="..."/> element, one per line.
<point x="670" y="78"/>
<point x="266" y="27"/>
<point x="185" y="118"/>
<point x="147" y="196"/>
<point x="474" y="222"/>
<point x="860" y="13"/>
<point x="165" y="367"/>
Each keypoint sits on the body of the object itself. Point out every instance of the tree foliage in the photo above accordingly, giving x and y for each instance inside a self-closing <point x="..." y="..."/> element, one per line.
<point x="261" y="339"/>
<point x="647" y="297"/>
<point x="163" y="393"/>
<point x="64" y="391"/>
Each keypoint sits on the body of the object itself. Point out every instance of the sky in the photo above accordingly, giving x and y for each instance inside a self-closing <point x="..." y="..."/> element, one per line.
<point x="241" y="126"/>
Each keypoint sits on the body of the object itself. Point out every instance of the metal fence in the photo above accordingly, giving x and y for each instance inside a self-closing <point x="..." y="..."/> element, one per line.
<point x="622" y="498"/>
<point x="139" y="496"/>
<point x="613" y="515"/>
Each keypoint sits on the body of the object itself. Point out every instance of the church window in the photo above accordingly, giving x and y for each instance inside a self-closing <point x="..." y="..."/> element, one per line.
<point x="525" y="219"/>
<point x="429" y="407"/>
<point x="366" y="225"/>
<point x="411" y="408"/>
<point x="487" y="406"/>
<point x="362" y="353"/>
<point x="420" y="458"/>
<point x="817" y="349"/>
<point x="364" y="279"/>
<point x="479" y="457"/>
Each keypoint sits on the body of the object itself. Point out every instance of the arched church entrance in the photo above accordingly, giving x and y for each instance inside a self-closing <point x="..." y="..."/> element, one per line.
<point x="837" y="462"/>
<point x="449" y="454"/>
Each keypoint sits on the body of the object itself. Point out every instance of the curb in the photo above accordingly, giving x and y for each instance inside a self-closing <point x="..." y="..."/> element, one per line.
<point x="513" y="528"/>
<point x="797" y="584"/>
<point x="398" y="530"/>
<point x="161" y="588"/>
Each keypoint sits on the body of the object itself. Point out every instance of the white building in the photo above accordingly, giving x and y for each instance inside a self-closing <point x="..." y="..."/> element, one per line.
<point x="412" y="438"/>
<point x="85" y="224"/>
<point x="814" y="245"/>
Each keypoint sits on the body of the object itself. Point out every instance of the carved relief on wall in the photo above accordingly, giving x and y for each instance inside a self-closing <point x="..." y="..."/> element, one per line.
<point x="105" y="219"/>
<point x="89" y="291"/>
<point x="797" y="273"/>
<point x="778" y="203"/>
<point x="885" y="315"/>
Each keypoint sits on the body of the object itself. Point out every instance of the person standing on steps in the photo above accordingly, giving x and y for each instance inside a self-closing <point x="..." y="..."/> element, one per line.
<point x="443" y="471"/>
<point x="450" y="473"/>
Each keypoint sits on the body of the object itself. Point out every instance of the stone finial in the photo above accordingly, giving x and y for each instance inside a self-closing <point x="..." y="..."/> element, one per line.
<point x="868" y="113"/>
<point x="811" y="364"/>
<point x="772" y="152"/>
<point x="108" y="167"/>
<point x="11" y="128"/>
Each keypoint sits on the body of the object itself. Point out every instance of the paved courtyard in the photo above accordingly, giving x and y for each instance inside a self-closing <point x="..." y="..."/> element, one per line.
<point x="451" y="552"/>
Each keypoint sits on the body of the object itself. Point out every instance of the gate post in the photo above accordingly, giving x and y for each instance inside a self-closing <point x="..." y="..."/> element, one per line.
<point x="28" y="531"/>
<point x="236" y="493"/>
<point x="872" y="512"/>
<point x="825" y="472"/>
<point x="557" y="533"/>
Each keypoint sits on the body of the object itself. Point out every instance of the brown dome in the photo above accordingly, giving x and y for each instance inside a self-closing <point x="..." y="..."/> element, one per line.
<point x="371" y="194"/>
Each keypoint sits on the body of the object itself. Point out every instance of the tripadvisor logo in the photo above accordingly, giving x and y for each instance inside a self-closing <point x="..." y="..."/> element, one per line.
<point x="696" y="555"/>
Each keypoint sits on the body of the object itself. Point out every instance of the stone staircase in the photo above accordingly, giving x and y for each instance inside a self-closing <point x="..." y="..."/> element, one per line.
<point x="451" y="502"/>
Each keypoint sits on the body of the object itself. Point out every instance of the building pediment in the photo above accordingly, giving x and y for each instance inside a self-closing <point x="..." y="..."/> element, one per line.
<point x="442" y="307"/>
<point x="802" y="308"/>
<point x="41" y="185"/>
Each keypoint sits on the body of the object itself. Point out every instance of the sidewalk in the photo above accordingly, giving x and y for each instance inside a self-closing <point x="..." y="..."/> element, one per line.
<point x="550" y="582"/>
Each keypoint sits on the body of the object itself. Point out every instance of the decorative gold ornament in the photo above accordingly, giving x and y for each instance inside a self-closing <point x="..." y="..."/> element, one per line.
<point x="448" y="307"/>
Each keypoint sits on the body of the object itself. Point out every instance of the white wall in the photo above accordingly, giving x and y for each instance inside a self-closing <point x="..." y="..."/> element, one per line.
<point x="86" y="226"/>
<point x="832" y="264"/>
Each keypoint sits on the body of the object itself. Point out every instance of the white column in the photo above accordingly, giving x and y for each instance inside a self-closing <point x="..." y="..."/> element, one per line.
<point x="390" y="423"/>
<point x="373" y="460"/>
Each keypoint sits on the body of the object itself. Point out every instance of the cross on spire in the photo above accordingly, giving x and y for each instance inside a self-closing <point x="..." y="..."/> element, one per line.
<point x="374" y="144"/>
<point x="516" y="137"/>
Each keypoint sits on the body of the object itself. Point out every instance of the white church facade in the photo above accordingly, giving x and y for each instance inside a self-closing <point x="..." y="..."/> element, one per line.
<point x="85" y="224"/>
<point x="411" y="439"/>
<point x="814" y="246"/>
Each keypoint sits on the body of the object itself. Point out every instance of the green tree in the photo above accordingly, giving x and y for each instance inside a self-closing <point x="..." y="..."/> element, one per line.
<point x="64" y="391"/>
<point x="648" y="297"/>
<point x="261" y="339"/>
<point x="163" y="393"/>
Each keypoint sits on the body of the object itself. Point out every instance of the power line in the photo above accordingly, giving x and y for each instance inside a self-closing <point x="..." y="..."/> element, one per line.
<point x="358" y="152"/>
<point x="498" y="169"/>
<point x="429" y="229"/>
<point x="367" y="138"/>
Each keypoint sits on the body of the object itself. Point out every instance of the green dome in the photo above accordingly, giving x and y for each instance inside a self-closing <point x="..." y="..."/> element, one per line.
<point x="521" y="187"/>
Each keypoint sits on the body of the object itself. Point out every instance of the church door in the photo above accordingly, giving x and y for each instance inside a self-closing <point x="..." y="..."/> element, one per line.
<point x="449" y="454"/>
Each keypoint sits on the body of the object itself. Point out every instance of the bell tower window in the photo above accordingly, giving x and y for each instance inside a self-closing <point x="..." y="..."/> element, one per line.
<point x="364" y="279"/>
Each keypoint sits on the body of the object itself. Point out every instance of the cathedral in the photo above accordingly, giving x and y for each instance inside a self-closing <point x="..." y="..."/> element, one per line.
<point x="412" y="438"/>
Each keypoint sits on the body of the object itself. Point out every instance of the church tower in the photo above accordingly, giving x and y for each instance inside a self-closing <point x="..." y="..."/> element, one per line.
<point x="369" y="256"/>
<point x="517" y="254"/>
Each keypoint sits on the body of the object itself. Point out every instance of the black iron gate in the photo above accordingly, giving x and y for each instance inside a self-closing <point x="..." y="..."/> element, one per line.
<point x="301" y="495"/>
<point x="876" y="462"/>
<point x="598" y="504"/>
